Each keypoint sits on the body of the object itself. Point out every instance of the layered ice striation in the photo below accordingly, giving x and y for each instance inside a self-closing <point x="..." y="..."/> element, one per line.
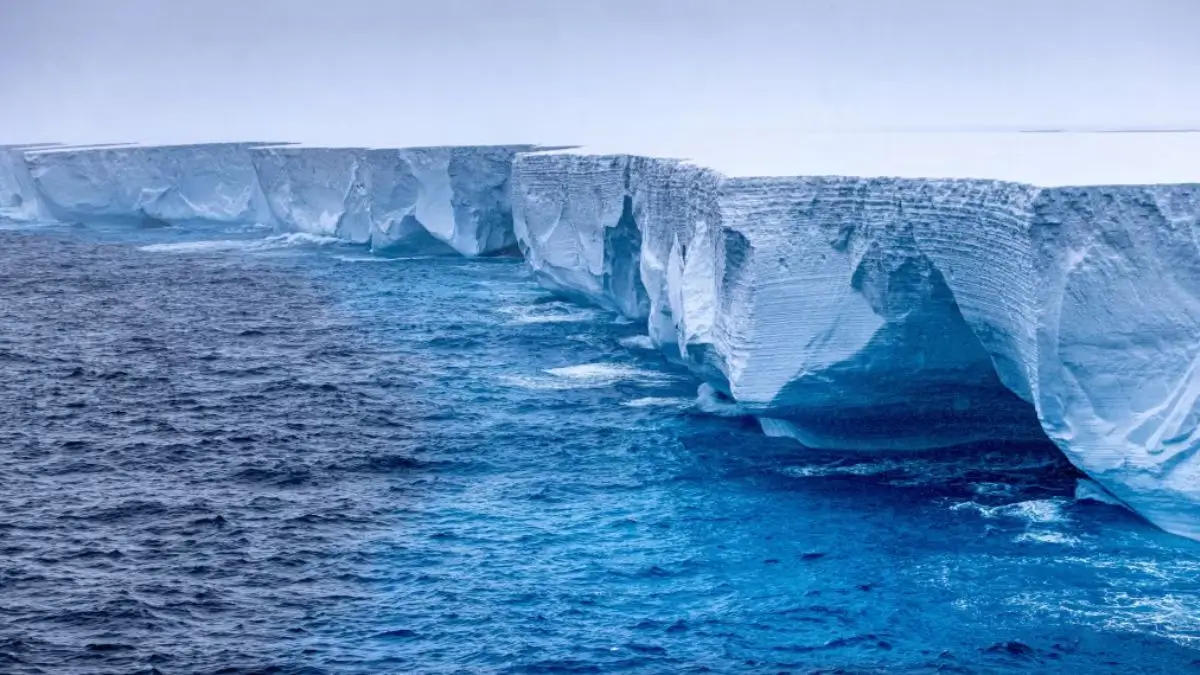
<point x="899" y="313"/>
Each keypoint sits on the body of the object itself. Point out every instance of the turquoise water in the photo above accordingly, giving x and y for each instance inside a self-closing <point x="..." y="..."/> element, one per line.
<point x="281" y="454"/>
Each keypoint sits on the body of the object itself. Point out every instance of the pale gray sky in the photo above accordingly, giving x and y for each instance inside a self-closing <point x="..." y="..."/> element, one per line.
<point x="467" y="71"/>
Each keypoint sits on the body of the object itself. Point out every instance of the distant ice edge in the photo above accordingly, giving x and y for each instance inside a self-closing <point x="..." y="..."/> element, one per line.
<point x="417" y="200"/>
<point x="862" y="313"/>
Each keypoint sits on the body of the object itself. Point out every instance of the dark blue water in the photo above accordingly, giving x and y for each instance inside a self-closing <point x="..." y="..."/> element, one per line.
<point x="283" y="455"/>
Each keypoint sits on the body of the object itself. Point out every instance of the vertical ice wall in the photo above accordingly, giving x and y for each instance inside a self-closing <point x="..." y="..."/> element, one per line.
<point x="19" y="198"/>
<point x="165" y="184"/>
<point x="437" y="199"/>
<point x="449" y="198"/>
<point x="903" y="313"/>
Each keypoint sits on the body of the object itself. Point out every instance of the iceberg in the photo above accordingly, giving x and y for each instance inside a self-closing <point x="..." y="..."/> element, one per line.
<point x="903" y="313"/>
<point x="1054" y="297"/>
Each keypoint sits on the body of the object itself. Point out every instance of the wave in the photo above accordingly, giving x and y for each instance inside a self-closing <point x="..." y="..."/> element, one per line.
<point x="658" y="402"/>
<point x="1046" y="537"/>
<point x="274" y="242"/>
<point x="380" y="258"/>
<point x="588" y="375"/>
<point x="637" y="342"/>
<point x="713" y="402"/>
<point x="1033" y="511"/>
<point x="522" y="315"/>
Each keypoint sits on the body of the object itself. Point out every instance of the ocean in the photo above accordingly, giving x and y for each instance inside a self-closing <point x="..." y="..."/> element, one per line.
<point x="228" y="451"/>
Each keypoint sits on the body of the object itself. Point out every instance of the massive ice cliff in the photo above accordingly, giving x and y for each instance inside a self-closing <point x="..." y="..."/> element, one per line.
<point x="433" y="199"/>
<point x="149" y="185"/>
<point x="408" y="199"/>
<point x="862" y="314"/>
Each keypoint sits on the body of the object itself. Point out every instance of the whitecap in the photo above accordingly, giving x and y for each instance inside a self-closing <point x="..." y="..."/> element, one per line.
<point x="1046" y="537"/>
<point x="273" y="242"/>
<point x="657" y="402"/>
<point x="606" y="372"/>
<point x="525" y="314"/>
<point x="586" y="375"/>
<point x="709" y="400"/>
<point x="637" y="342"/>
<point x="364" y="258"/>
<point x="571" y="317"/>
<point x="1040" y="511"/>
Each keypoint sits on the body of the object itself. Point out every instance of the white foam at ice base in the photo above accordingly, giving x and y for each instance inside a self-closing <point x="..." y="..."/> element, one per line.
<point x="586" y="376"/>
<point x="710" y="401"/>
<point x="1047" y="537"/>
<point x="370" y="258"/>
<point x="535" y="314"/>
<point x="1045" y="159"/>
<point x="605" y="372"/>
<point x="637" y="342"/>
<point x="658" y="402"/>
<point x="1039" y="511"/>
<point x="274" y="242"/>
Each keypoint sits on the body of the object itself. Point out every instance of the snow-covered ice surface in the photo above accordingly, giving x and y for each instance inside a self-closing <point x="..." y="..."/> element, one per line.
<point x="911" y="313"/>
<point x="1047" y="159"/>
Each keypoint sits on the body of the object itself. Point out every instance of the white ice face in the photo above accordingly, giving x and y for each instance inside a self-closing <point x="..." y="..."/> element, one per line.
<point x="188" y="183"/>
<point x="906" y="313"/>
<point x="19" y="198"/>
<point x="408" y="199"/>
<point x="443" y="199"/>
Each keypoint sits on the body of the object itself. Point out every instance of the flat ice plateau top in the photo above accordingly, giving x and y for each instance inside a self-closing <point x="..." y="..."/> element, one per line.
<point x="865" y="314"/>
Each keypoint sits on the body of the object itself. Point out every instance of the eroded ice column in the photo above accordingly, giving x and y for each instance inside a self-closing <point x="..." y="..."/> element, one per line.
<point x="316" y="190"/>
<point x="1091" y="309"/>
<point x="839" y="331"/>
<point x="392" y="202"/>
<point x="462" y="195"/>
<point x="19" y="198"/>
<point x="574" y="220"/>
<point x="399" y="200"/>
<point x="210" y="183"/>
<point x="678" y="207"/>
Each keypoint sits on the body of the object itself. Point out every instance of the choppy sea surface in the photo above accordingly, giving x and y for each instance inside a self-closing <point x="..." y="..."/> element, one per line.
<point x="243" y="452"/>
